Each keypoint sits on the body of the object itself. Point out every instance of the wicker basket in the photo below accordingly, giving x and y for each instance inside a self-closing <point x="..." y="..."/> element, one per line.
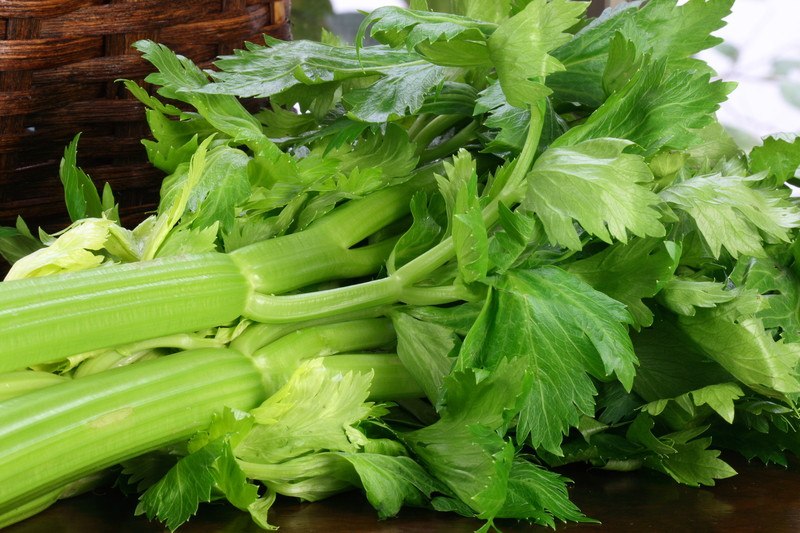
<point x="58" y="63"/>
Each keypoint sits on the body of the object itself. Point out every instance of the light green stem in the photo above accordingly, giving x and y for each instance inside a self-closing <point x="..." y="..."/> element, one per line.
<point x="466" y="134"/>
<point x="433" y="129"/>
<point x="390" y="379"/>
<point x="13" y="384"/>
<point x="323" y="251"/>
<point x="321" y="304"/>
<point x="112" y="359"/>
<point x="60" y="434"/>
<point x="33" y="506"/>
<point x="279" y="359"/>
<point x="258" y="335"/>
<point x="419" y="123"/>
<point x="49" y="318"/>
<point x="390" y="290"/>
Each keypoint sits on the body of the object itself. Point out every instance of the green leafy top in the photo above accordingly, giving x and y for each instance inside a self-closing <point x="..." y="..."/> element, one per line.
<point x="659" y="28"/>
<point x="316" y="410"/>
<point x="399" y="27"/>
<point x="730" y="212"/>
<point x="520" y="47"/>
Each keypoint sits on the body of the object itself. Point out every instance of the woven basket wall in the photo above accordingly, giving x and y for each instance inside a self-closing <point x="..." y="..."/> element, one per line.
<point x="58" y="63"/>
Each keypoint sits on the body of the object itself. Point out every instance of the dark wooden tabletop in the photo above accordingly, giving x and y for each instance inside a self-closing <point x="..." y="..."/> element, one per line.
<point x="758" y="499"/>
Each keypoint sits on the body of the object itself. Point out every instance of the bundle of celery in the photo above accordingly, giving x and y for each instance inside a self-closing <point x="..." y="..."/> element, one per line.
<point x="504" y="239"/>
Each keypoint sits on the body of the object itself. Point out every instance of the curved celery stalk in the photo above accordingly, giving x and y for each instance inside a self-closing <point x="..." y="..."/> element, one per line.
<point x="54" y="436"/>
<point x="258" y="335"/>
<point x="49" y="318"/>
<point x="30" y="508"/>
<point x="46" y="319"/>
<point x="398" y="286"/>
<point x="293" y="261"/>
<point x="14" y="384"/>
<point x="391" y="381"/>
<point x="327" y="248"/>
<point x="279" y="359"/>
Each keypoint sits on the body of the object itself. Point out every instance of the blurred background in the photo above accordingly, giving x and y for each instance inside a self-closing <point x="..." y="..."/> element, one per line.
<point x="761" y="52"/>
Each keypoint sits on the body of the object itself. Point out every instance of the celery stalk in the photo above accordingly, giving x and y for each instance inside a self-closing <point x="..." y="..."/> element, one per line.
<point x="17" y="383"/>
<point x="49" y="318"/>
<point x="279" y="359"/>
<point x="56" y="435"/>
<point x="59" y="434"/>
<point x="46" y="319"/>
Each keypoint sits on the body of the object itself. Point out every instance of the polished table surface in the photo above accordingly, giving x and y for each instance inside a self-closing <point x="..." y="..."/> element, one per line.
<point x="758" y="499"/>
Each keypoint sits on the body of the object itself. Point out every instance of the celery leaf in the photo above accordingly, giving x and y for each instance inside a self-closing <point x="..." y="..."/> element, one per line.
<point x="469" y="233"/>
<point x="425" y="349"/>
<point x="777" y="155"/>
<point x="72" y="250"/>
<point x="538" y="495"/>
<point x="398" y="93"/>
<point x="598" y="185"/>
<point x="630" y="272"/>
<point x="740" y="344"/>
<point x="315" y="410"/>
<point x="393" y="481"/>
<point x="403" y="77"/>
<point x="178" y="78"/>
<point x="671" y="364"/>
<point x="389" y="156"/>
<point x="464" y="449"/>
<point x="16" y="243"/>
<point x="424" y="233"/>
<point x="195" y="479"/>
<point x="81" y="196"/>
<point x="222" y="186"/>
<point x="683" y="295"/>
<point x="731" y="213"/>
<point x="779" y="287"/>
<point x="658" y="107"/>
<point x="659" y="28"/>
<point x="520" y="47"/>
<point x="720" y="397"/>
<point x="571" y="332"/>
<point x="693" y="464"/>
<point x="399" y="27"/>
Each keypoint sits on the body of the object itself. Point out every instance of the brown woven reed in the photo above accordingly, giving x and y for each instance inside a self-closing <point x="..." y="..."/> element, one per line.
<point x="58" y="63"/>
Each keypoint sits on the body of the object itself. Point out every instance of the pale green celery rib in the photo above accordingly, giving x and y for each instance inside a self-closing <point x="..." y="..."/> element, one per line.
<point x="323" y="251"/>
<point x="13" y="384"/>
<point x="182" y="341"/>
<point x="258" y="335"/>
<point x="58" y="435"/>
<point x="293" y="261"/>
<point x="289" y="308"/>
<point x="356" y="220"/>
<point x="305" y="258"/>
<point x="112" y="359"/>
<point x="390" y="380"/>
<point x="33" y="506"/>
<point x="46" y="319"/>
<point x="279" y="359"/>
<point x="363" y="297"/>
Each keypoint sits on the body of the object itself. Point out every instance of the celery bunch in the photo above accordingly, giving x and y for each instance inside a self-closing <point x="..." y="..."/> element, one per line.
<point x="504" y="239"/>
